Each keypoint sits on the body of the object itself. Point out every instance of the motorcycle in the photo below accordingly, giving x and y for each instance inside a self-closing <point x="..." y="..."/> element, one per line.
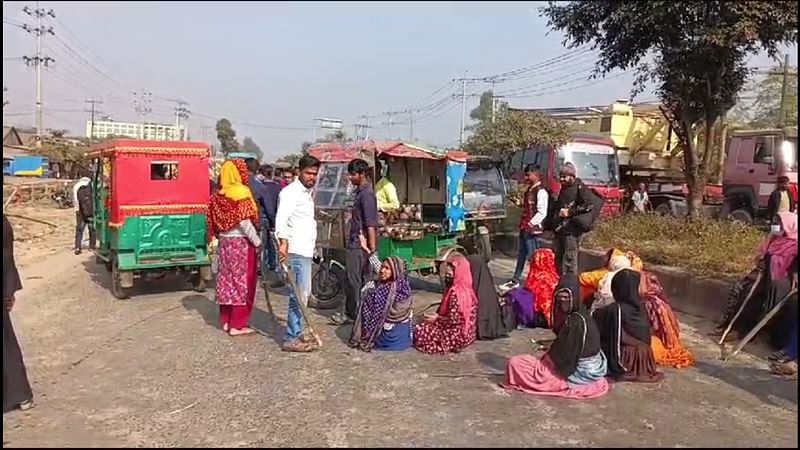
<point x="63" y="199"/>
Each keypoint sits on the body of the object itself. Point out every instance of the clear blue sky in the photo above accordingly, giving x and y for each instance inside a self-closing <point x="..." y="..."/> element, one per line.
<point x="282" y="64"/>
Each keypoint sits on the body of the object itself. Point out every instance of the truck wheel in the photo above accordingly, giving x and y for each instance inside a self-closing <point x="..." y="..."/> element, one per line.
<point x="117" y="290"/>
<point x="741" y="215"/>
<point x="664" y="209"/>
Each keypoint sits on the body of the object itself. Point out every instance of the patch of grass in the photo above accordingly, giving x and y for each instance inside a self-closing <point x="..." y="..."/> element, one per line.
<point x="704" y="247"/>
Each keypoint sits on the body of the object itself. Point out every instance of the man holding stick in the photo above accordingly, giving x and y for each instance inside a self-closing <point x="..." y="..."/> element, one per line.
<point x="296" y="231"/>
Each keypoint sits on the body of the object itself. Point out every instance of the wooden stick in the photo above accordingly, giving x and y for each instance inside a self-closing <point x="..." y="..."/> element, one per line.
<point x="741" y="308"/>
<point x="762" y="323"/>
<point x="265" y="285"/>
<point x="301" y="298"/>
<point x="44" y="222"/>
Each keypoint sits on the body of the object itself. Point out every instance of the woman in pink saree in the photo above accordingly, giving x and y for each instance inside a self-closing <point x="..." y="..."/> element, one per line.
<point x="453" y="327"/>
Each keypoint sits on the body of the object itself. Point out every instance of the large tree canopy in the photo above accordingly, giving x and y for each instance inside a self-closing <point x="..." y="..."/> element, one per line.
<point x="695" y="52"/>
<point x="483" y="112"/>
<point x="249" y="145"/>
<point x="515" y="130"/>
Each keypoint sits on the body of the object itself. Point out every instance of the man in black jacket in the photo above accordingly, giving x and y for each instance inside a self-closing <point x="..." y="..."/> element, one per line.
<point x="780" y="200"/>
<point x="84" y="217"/>
<point x="576" y="209"/>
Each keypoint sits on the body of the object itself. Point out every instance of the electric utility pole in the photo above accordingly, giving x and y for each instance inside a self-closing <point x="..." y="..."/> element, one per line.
<point x="38" y="60"/>
<point x="181" y="112"/>
<point x="92" y="111"/>
<point x="141" y="104"/>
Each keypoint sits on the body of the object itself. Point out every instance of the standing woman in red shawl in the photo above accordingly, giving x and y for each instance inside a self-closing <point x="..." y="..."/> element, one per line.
<point x="233" y="219"/>
<point x="454" y="326"/>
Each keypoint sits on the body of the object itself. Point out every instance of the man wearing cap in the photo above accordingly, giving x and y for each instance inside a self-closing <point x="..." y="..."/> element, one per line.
<point x="575" y="212"/>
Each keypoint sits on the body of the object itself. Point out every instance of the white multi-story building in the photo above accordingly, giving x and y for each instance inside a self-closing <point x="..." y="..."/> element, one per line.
<point x="151" y="131"/>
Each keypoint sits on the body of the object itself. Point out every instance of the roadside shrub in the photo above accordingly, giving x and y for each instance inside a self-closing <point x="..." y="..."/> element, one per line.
<point x="704" y="246"/>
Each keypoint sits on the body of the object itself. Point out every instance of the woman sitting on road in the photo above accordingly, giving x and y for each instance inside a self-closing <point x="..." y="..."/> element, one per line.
<point x="590" y="281"/>
<point x="625" y="332"/>
<point x="665" y="330"/>
<point x="542" y="281"/>
<point x="774" y="271"/>
<point x="604" y="296"/>
<point x="574" y="366"/>
<point x="383" y="320"/>
<point x="453" y="327"/>
<point x="233" y="218"/>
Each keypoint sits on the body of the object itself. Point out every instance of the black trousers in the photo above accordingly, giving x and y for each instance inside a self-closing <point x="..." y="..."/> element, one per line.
<point x="16" y="388"/>
<point x="80" y="224"/>
<point x="567" y="248"/>
<point x="355" y="259"/>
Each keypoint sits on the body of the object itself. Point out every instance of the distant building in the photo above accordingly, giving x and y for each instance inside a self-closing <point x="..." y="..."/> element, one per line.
<point x="151" y="131"/>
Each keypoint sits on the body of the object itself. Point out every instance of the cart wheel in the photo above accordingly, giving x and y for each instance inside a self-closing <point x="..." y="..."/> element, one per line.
<point x="326" y="285"/>
<point x="116" y="285"/>
<point x="198" y="283"/>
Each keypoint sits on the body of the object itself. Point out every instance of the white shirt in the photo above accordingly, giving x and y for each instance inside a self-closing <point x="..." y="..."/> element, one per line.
<point x="542" y="199"/>
<point x="295" y="219"/>
<point x="639" y="200"/>
<point x="81" y="183"/>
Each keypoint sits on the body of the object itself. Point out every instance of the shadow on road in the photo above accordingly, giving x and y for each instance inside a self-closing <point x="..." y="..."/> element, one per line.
<point x="259" y="320"/>
<point x="759" y="382"/>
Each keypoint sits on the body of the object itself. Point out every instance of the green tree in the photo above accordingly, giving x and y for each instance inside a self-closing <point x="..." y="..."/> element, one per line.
<point x="226" y="136"/>
<point x="291" y="159"/>
<point x="515" y="130"/>
<point x="249" y="145"/>
<point x="695" y="52"/>
<point x="762" y="105"/>
<point x="483" y="112"/>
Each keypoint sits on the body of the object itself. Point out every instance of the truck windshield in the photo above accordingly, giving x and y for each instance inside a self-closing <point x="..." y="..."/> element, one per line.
<point x="484" y="191"/>
<point x="593" y="168"/>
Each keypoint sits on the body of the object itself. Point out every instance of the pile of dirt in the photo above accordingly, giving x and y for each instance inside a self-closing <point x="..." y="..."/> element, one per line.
<point x="40" y="230"/>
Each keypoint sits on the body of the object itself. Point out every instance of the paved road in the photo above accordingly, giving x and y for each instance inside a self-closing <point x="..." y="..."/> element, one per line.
<point x="155" y="371"/>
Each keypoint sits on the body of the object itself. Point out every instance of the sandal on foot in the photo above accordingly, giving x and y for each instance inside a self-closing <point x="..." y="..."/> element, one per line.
<point x="778" y="356"/>
<point x="788" y="368"/>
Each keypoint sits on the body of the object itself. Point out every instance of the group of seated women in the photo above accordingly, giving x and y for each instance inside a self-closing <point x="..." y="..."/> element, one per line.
<point x="611" y="323"/>
<point x="384" y="318"/>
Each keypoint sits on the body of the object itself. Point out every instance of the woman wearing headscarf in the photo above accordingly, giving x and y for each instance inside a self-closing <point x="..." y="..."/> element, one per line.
<point x="17" y="391"/>
<point x="775" y="268"/>
<point x="383" y="319"/>
<point x="233" y="219"/>
<point x="542" y="281"/>
<point x="590" y="281"/>
<point x="625" y="332"/>
<point x="453" y="327"/>
<point x="574" y="366"/>
<point x="491" y="324"/>
<point x="665" y="330"/>
<point x="604" y="295"/>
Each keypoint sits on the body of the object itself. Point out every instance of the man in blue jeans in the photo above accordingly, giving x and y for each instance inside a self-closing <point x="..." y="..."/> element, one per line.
<point x="296" y="231"/>
<point x="534" y="211"/>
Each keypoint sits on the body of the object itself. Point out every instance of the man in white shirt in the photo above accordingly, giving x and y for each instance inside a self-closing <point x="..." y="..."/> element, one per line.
<point x="640" y="199"/>
<point x="534" y="211"/>
<point x="296" y="231"/>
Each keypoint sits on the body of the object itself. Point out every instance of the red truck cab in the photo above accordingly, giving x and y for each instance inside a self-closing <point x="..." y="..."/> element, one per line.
<point x="754" y="161"/>
<point x="594" y="157"/>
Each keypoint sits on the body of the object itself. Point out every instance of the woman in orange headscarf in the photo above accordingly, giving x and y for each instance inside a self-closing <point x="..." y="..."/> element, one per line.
<point x="664" y="327"/>
<point x="590" y="281"/>
<point x="233" y="219"/>
<point x="542" y="282"/>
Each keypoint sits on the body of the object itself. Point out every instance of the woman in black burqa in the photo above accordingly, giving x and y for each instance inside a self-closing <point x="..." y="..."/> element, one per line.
<point x="493" y="323"/>
<point x="625" y="332"/>
<point x="16" y="389"/>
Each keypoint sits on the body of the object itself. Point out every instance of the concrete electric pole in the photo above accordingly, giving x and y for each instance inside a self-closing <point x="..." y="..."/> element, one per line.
<point x="181" y="116"/>
<point x="141" y="104"/>
<point x="784" y="91"/>
<point x="93" y="110"/>
<point x="38" y="60"/>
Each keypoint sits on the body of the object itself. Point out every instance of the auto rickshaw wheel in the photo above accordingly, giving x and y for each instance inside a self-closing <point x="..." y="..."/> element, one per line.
<point x="483" y="243"/>
<point x="117" y="290"/>
<point x="198" y="283"/>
